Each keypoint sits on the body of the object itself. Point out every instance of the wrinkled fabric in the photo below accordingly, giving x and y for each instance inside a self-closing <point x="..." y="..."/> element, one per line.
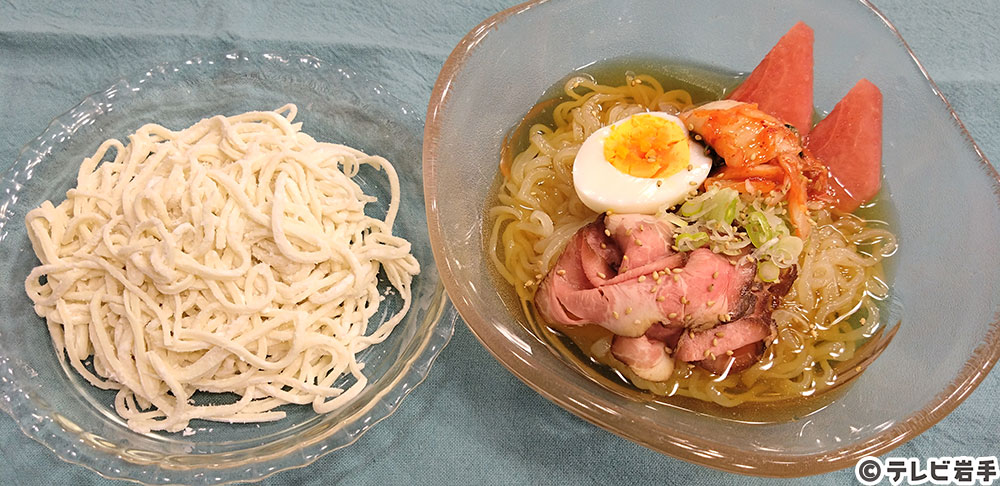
<point x="471" y="421"/>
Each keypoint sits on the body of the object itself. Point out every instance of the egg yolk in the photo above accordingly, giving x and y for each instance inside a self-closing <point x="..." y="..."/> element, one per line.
<point x="647" y="146"/>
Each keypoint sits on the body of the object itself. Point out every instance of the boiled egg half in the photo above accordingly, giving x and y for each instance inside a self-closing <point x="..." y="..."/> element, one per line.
<point x="640" y="164"/>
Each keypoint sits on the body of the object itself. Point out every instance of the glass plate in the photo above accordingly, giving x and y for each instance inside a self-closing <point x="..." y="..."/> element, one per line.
<point x="946" y="287"/>
<point x="55" y="406"/>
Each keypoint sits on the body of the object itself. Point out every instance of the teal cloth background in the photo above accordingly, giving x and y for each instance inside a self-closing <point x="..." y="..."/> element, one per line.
<point x="471" y="422"/>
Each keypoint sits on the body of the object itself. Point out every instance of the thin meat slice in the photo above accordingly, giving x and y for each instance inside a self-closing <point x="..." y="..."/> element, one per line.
<point x="711" y="348"/>
<point x="849" y="142"/>
<point x="739" y="360"/>
<point x="782" y="84"/>
<point x="584" y="288"/>
<point x="665" y="334"/>
<point x="644" y="239"/>
<point x="647" y="358"/>
<point x="567" y="277"/>
<point x="696" y="346"/>
<point x="714" y="289"/>
<point x="581" y="289"/>
<point x="694" y="306"/>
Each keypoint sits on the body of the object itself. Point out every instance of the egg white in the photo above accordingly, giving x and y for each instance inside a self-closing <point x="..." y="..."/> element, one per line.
<point x="602" y="187"/>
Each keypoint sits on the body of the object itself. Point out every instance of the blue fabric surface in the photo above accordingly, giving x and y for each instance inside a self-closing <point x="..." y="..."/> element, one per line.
<point x="471" y="422"/>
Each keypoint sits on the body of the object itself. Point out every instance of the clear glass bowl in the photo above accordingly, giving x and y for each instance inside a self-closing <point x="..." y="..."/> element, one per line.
<point x="946" y="289"/>
<point x="55" y="406"/>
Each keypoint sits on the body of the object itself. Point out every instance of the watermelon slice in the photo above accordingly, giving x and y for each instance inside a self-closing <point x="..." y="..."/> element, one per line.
<point x="782" y="84"/>
<point x="849" y="142"/>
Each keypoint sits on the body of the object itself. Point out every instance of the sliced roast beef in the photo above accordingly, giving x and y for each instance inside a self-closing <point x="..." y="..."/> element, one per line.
<point x="621" y="273"/>
<point x="652" y="284"/>
<point x="664" y="334"/>
<point x="744" y="338"/>
<point x="647" y="358"/>
<point x="740" y="359"/>
<point x="696" y="346"/>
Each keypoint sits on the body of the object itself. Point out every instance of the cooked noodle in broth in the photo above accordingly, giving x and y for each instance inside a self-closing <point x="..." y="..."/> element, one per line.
<point x="830" y="311"/>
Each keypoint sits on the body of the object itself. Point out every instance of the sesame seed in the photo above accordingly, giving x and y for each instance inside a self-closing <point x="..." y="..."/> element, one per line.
<point x="716" y="274"/>
<point x="858" y="369"/>
<point x="677" y="270"/>
<point x="668" y="350"/>
<point x="672" y="315"/>
<point x="637" y="322"/>
<point x="732" y="262"/>
<point x="723" y="317"/>
<point x="712" y="355"/>
<point x="677" y="278"/>
<point x="863" y="320"/>
<point x="561" y="272"/>
<point x="615" y="314"/>
<point x="707" y="353"/>
<point x="697" y="137"/>
<point x="660" y="298"/>
<point x="529" y="283"/>
<point x="604" y="246"/>
<point x="715" y="341"/>
<point x="729" y="352"/>
<point x="709" y="303"/>
<point x="690" y="127"/>
<point x="642" y="227"/>
<point x="711" y="287"/>
<point x="624" y="257"/>
<point x="693" y="183"/>
<point x="659" y="280"/>
<point x="684" y="300"/>
<point x="628" y="232"/>
<point x="637" y="242"/>
<point x="720" y="334"/>
<point x="642" y="278"/>
<point x="609" y="212"/>
<point x="690" y="366"/>
<point x="602" y="275"/>
<point x="656" y="274"/>
<point x="607" y="232"/>
<point x="628" y="310"/>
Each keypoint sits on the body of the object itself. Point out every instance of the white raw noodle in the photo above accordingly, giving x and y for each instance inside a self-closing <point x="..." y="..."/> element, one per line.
<point x="232" y="256"/>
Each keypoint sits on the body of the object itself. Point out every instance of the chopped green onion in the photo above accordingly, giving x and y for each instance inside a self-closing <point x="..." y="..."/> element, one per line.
<point x="691" y="207"/>
<point x="786" y="251"/>
<point x="674" y="219"/>
<point x="767" y="271"/>
<point x="691" y="241"/>
<point x="758" y="229"/>
<point x="778" y="227"/>
<point x="725" y="205"/>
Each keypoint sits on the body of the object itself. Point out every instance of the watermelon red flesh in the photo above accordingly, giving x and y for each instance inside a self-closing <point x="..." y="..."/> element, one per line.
<point x="849" y="142"/>
<point x="782" y="84"/>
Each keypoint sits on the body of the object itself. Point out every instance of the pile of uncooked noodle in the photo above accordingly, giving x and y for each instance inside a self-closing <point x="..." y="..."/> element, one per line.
<point x="231" y="256"/>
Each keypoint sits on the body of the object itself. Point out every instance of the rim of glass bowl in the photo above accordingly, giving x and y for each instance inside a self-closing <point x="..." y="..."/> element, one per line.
<point x="675" y="444"/>
<point x="74" y="445"/>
